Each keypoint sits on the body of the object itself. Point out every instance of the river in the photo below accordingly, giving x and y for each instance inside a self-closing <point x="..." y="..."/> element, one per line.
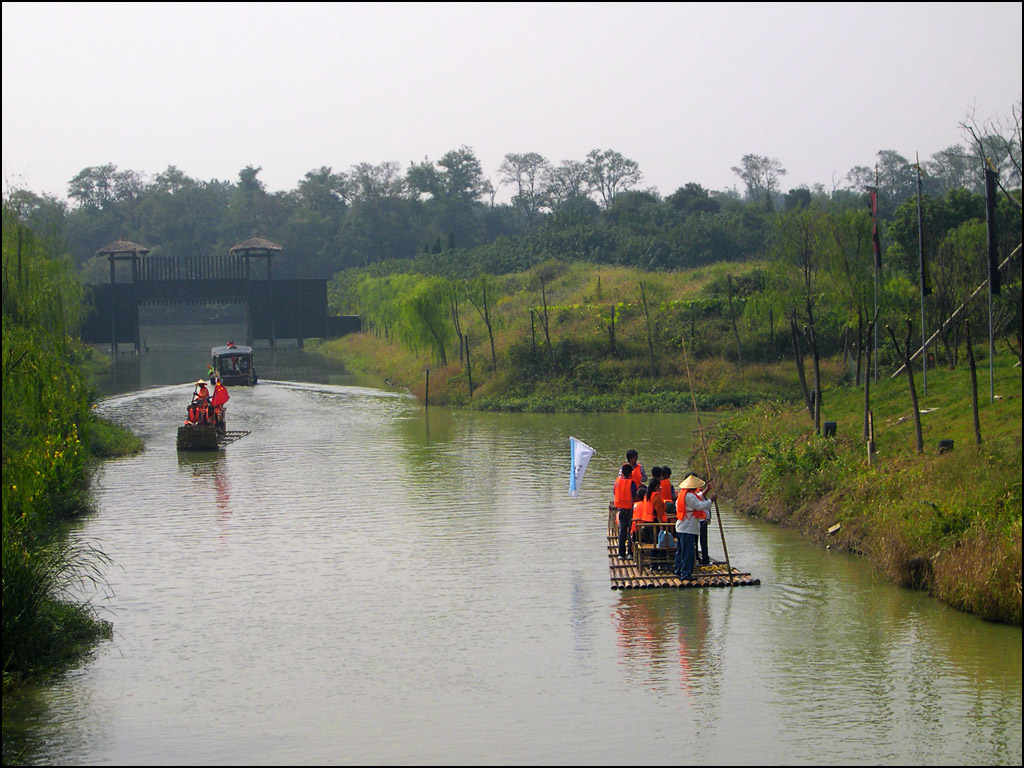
<point x="363" y="581"/>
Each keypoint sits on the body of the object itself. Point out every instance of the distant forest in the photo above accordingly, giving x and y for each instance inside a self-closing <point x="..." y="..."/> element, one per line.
<point x="594" y="210"/>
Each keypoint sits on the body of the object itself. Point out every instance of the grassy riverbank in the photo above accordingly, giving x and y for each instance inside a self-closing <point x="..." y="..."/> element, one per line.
<point x="51" y="440"/>
<point x="577" y="338"/>
<point x="948" y="523"/>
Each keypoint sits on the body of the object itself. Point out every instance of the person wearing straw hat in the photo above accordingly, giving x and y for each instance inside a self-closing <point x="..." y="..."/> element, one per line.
<point x="690" y="510"/>
<point x="200" y="395"/>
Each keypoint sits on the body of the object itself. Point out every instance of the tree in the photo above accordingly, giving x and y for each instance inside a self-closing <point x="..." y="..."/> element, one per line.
<point x="953" y="168"/>
<point x="482" y="303"/>
<point x="609" y="173"/>
<point x="761" y="176"/>
<point x="528" y="174"/>
<point x="897" y="180"/>
<point x="796" y="247"/>
<point x="566" y="182"/>
<point x="693" y="198"/>
<point x="453" y="187"/>
<point x="997" y="141"/>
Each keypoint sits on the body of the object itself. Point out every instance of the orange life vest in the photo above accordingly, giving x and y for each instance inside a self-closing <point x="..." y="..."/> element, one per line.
<point x="623" y="493"/>
<point x="657" y="508"/>
<point x="682" y="511"/>
<point x="638" y="474"/>
<point x="666" y="490"/>
<point x="646" y="511"/>
<point x="638" y="512"/>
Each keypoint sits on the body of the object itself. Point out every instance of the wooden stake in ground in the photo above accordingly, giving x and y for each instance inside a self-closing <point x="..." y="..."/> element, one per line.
<point x="974" y="384"/>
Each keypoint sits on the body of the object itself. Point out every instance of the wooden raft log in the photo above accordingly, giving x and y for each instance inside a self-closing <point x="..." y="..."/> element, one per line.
<point x="626" y="575"/>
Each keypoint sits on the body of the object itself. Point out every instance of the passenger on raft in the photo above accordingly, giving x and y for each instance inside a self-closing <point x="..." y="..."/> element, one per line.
<point x="625" y="496"/>
<point x="198" y="407"/>
<point x="691" y="508"/>
<point x="636" y="469"/>
<point x="217" y="402"/>
<point x="668" y="493"/>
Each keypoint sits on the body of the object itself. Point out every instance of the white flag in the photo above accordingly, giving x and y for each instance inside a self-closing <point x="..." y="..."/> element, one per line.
<point x="580" y="453"/>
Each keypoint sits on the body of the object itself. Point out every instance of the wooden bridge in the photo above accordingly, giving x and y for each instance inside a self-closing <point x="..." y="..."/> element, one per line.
<point x="274" y="309"/>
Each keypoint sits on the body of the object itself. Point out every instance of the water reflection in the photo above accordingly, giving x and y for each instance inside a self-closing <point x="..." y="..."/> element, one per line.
<point x="664" y="644"/>
<point x="210" y="467"/>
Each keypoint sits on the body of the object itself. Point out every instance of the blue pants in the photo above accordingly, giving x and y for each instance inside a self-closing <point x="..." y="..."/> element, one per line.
<point x="685" y="555"/>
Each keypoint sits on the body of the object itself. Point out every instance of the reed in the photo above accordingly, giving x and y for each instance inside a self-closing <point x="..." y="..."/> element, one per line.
<point x="47" y="429"/>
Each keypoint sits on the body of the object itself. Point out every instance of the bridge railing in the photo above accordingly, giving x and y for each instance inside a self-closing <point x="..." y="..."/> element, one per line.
<point x="162" y="268"/>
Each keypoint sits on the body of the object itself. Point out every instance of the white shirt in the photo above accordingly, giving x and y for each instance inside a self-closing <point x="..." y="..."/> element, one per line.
<point x="688" y="523"/>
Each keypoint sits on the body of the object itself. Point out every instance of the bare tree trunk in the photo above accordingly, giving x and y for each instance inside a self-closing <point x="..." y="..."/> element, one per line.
<point x="732" y="318"/>
<point x="544" y="319"/>
<point x="469" y="369"/>
<point x="611" y="328"/>
<point x="798" y="354"/>
<point x="812" y="339"/>
<point x="647" y="319"/>
<point x="533" y="336"/>
<point x="908" y="366"/>
<point x="860" y="344"/>
<point x="453" y="305"/>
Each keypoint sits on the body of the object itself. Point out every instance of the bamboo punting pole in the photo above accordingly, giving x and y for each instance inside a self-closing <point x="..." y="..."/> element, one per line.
<point x="707" y="463"/>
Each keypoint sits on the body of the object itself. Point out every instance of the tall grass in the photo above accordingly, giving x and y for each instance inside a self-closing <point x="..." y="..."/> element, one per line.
<point x="46" y="424"/>
<point x="948" y="523"/>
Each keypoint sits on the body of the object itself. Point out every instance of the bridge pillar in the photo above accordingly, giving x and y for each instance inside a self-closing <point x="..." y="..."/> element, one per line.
<point x="122" y="250"/>
<point x="259" y="247"/>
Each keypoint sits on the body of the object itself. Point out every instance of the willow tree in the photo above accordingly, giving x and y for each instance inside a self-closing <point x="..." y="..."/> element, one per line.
<point x="426" y="322"/>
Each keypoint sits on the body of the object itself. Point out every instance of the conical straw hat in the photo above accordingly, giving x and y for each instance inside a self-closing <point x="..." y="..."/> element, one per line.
<point x="692" y="482"/>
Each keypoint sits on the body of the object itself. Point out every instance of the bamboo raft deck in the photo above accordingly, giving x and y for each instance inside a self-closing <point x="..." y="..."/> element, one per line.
<point x="628" y="574"/>
<point x="205" y="438"/>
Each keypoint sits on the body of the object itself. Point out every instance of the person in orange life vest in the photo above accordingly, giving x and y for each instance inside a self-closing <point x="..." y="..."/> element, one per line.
<point x="218" y="401"/>
<point x="668" y="493"/>
<point x="200" y="395"/>
<point x="625" y="494"/>
<point x="656" y="475"/>
<point x="639" y="509"/>
<point x="650" y="510"/>
<point x="636" y="471"/>
<point x="200" y="398"/>
<point x="690" y="509"/>
<point x="657" y="503"/>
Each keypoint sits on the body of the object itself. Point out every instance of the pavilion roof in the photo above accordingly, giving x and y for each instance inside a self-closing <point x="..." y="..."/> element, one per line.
<point x="122" y="246"/>
<point x="255" y="244"/>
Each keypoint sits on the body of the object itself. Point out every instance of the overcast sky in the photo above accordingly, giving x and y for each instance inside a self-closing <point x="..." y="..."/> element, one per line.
<point x="684" y="89"/>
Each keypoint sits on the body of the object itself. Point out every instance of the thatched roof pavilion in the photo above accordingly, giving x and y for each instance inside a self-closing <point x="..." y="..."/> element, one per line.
<point x="123" y="247"/>
<point x="256" y="246"/>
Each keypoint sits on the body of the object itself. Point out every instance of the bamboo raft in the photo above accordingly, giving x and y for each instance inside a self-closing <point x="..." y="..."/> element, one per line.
<point x="205" y="438"/>
<point x="652" y="568"/>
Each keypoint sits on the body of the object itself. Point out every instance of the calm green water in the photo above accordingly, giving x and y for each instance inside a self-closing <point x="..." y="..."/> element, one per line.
<point x="359" y="581"/>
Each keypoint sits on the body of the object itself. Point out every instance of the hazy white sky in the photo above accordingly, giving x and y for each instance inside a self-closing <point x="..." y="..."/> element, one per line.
<point x="684" y="89"/>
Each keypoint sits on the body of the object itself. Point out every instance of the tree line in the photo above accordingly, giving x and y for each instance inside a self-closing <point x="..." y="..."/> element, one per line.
<point x="593" y="209"/>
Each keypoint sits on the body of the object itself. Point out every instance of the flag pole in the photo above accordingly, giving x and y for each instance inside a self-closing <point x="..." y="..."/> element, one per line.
<point x="993" y="269"/>
<point x="876" y="247"/>
<point x="920" y="253"/>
